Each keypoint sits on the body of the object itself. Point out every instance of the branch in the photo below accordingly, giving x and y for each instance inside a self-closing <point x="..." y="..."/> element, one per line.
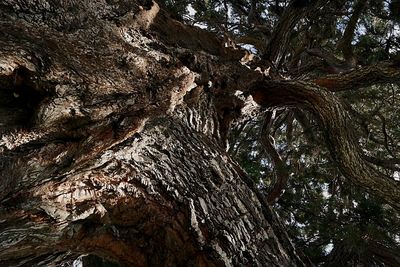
<point x="390" y="163"/>
<point x="335" y="65"/>
<point x="305" y="124"/>
<point x="386" y="255"/>
<point x="381" y="73"/>
<point x="336" y="123"/>
<point x="280" y="168"/>
<point x="386" y="136"/>
<point x="362" y="120"/>
<point x="280" y="36"/>
<point x="174" y="33"/>
<point x="345" y="43"/>
<point x="327" y="56"/>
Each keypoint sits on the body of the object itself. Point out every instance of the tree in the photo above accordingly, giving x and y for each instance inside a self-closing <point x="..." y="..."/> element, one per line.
<point x="122" y="128"/>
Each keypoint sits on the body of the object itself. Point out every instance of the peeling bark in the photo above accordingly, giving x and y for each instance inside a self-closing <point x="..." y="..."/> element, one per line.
<point x="113" y="118"/>
<point x="113" y="149"/>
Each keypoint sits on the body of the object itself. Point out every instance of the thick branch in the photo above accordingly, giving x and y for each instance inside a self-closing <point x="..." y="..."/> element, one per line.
<point x="280" y="36"/>
<point x="381" y="73"/>
<point x="335" y="121"/>
<point x="390" y="163"/>
<point x="328" y="57"/>
<point x="335" y="65"/>
<point x="114" y="162"/>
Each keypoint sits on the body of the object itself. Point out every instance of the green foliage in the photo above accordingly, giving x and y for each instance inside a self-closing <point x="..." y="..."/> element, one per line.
<point x="335" y="222"/>
<point x="177" y="8"/>
<point x="320" y="207"/>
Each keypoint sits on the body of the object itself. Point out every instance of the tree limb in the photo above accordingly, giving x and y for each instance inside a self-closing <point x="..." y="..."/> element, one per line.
<point x="390" y="163"/>
<point x="381" y="73"/>
<point x="335" y="121"/>
<point x="280" y="168"/>
<point x="345" y="43"/>
<point x="280" y="36"/>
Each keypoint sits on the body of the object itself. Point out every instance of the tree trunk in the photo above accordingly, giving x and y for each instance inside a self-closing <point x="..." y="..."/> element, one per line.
<point x="111" y="146"/>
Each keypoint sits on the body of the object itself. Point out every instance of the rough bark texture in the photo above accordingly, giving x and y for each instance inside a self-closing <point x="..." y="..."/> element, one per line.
<point x="381" y="73"/>
<point x="113" y="119"/>
<point x="110" y="147"/>
<point x="280" y="168"/>
<point x="336" y="123"/>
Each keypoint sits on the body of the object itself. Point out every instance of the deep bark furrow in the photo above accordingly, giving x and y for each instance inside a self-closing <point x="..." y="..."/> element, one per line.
<point x="102" y="168"/>
<point x="113" y="122"/>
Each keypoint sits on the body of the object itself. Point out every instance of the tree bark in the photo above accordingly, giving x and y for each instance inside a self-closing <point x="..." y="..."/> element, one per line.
<point x="109" y="146"/>
<point x="113" y="120"/>
<point x="335" y="122"/>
